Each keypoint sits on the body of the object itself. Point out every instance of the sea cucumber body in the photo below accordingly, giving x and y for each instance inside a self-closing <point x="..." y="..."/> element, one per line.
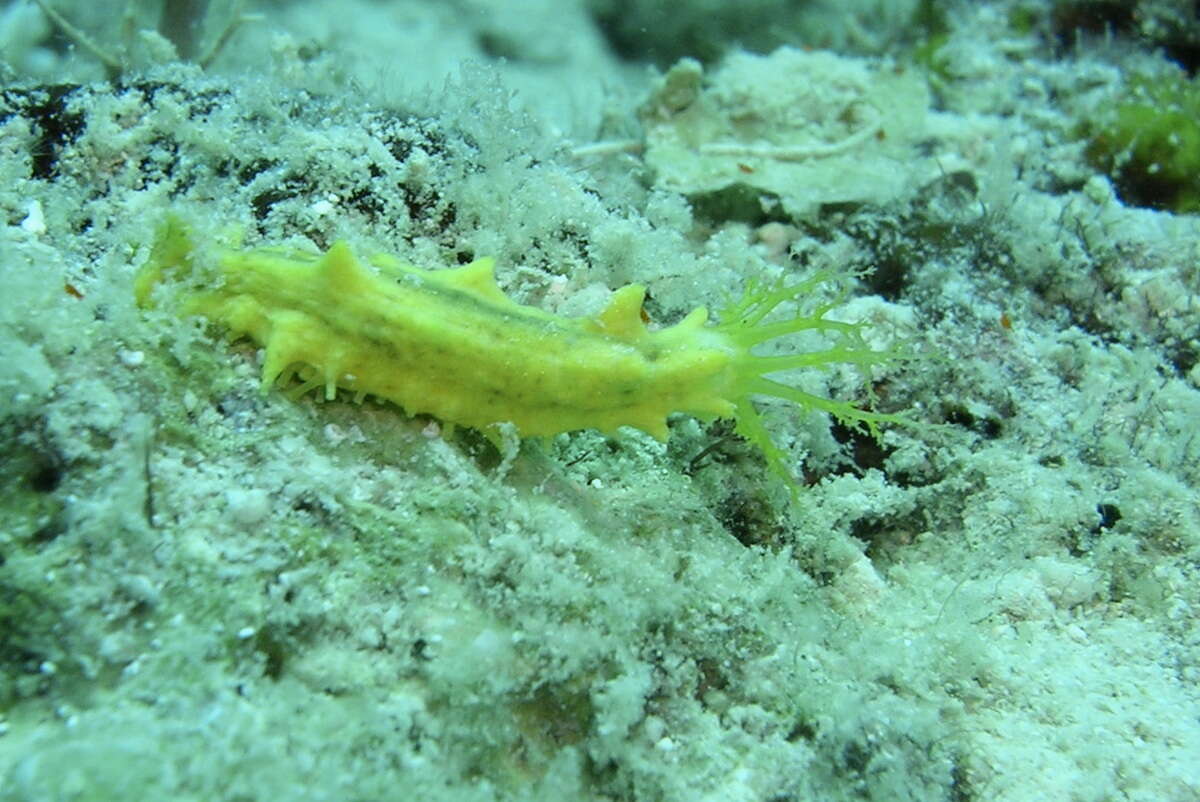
<point x="449" y="343"/>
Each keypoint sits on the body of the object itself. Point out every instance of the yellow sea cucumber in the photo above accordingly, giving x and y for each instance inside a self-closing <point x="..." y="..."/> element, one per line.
<point x="449" y="343"/>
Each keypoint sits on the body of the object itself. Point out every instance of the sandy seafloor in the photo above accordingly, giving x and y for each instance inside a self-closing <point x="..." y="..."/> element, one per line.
<point x="208" y="593"/>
